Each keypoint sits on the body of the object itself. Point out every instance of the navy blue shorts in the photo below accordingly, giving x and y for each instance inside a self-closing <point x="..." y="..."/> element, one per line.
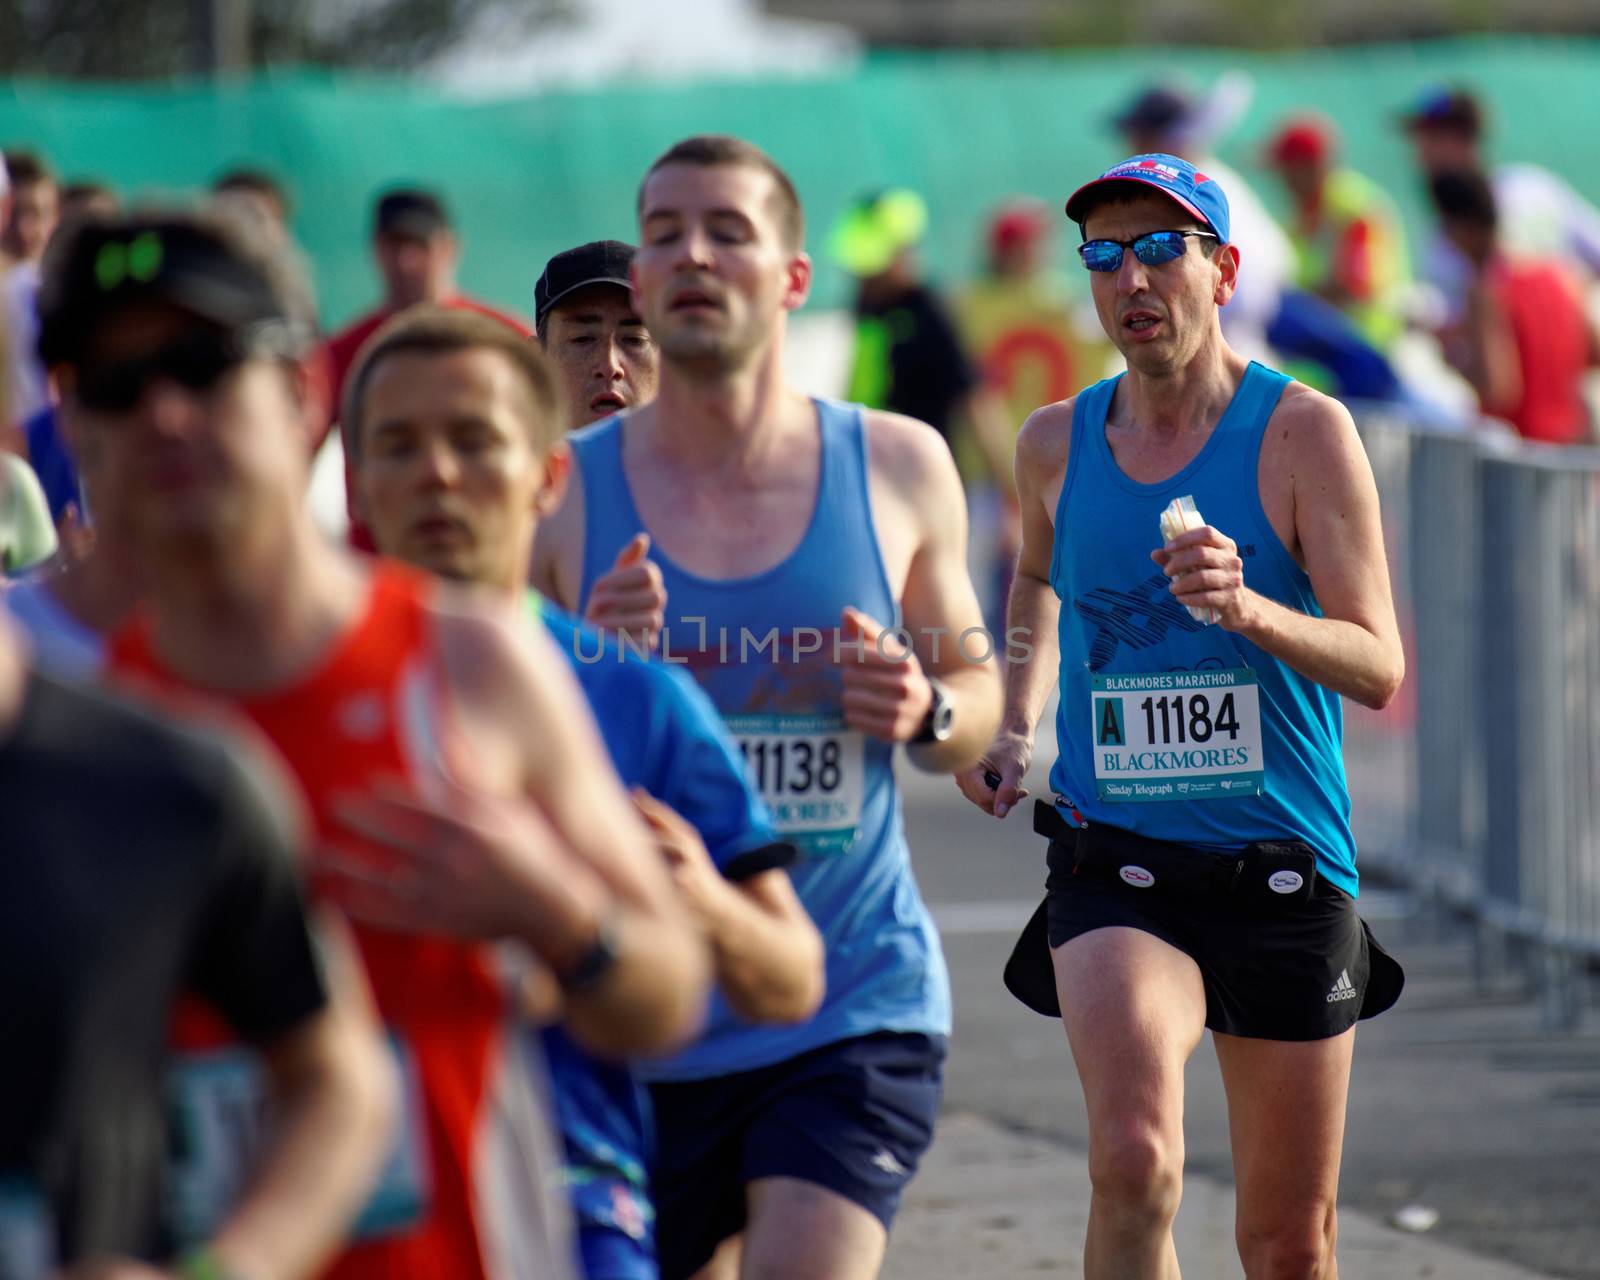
<point x="854" y="1117"/>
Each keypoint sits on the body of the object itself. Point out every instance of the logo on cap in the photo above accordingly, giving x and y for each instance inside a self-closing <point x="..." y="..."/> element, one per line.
<point x="1145" y="167"/>
<point x="139" y="260"/>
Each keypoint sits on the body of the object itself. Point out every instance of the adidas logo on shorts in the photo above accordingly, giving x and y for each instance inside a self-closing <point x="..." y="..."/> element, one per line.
<point x="1342" y="989"/>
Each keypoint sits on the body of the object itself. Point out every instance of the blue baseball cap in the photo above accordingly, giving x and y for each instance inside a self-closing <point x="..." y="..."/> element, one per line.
<point x="1174" y="178"/>
<point x="1444" y="108"/>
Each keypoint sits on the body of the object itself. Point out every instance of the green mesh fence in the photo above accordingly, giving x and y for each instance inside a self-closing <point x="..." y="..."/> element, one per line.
<point x="529" y="176"/>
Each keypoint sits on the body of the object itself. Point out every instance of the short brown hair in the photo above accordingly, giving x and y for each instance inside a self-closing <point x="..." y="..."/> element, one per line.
<point x="437" y="331"/>
<point x="255" y="182"/>
<point x="25" y="168"/>
<point x="714" y="150"/>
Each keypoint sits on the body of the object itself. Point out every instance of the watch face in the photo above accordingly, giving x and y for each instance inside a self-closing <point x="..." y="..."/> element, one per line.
<point x="944" y="718"/>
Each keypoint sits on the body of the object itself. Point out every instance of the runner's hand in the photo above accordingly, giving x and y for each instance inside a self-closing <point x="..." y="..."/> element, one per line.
<point x="696" y="876"/>
<point x="994" y="783"/>
<point x="1207" y="573"/>
<point x="631" y="597"/>
<point x="886" y="692"/>
<point x="467" y="865"/>
<point x="74" y="537"/>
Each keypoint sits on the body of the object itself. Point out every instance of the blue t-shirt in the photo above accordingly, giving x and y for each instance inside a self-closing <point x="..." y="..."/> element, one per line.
<point x="52" y="463"/>
<point x="664" y="735"/>
<point x="767" y="649"/>
<point x="1169" y="726"/>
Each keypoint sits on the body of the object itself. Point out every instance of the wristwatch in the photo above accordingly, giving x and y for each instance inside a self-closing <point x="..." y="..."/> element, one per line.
<point x="938" y="724"/>
<point x="589" y="970"/>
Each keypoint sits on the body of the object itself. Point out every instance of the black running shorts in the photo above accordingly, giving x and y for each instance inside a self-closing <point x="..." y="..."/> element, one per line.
<point x="1273" y="969"/>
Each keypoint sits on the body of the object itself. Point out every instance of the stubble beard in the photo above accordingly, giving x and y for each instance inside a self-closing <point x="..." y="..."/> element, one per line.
<point x="703" y="354"/>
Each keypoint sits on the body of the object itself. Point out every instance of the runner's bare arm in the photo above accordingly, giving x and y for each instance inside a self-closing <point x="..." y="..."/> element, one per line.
<point x="767" y="952"/>
<point x="628" y="598"/>
<point x="556" y="568"/>
<point x="514" y="689"/>
<point x="1032" y="613"/>
<point x="924" y="519"/>
<point x="1354" y="648"/>
<point x="334" y="1096"/>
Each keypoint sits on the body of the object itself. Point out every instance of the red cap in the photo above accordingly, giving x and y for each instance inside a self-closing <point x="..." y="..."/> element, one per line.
<point x="1017" y="224"/>
<point x="1306" y="140"/>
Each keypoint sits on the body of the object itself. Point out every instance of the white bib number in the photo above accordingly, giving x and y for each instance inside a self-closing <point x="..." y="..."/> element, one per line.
<point x="1176" y="735"/>
<point x="811" y="771"/>
<point x="221" y="1118"/>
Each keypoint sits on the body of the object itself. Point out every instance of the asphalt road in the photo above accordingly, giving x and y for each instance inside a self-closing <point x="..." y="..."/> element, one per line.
<point x="1459" y="1103"/>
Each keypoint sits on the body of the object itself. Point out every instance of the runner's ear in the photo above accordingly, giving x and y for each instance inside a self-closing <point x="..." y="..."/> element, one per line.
<point x="1227" y="260"/>
<point x="797" y="281"/>
<point x="552" y="491"/>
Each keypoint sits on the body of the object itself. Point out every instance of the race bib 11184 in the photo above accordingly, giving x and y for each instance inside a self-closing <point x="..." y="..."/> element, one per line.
<point x="811" y="771"/>
<point x="1176" y="735"/>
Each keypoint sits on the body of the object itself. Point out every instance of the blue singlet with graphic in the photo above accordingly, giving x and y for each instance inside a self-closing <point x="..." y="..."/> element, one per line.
<point x="1167" y="726"/>
<point x="764" y="649"/>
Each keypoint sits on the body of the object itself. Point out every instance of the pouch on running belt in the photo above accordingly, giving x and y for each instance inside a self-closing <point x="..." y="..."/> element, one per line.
<point x="1267" y="875"/>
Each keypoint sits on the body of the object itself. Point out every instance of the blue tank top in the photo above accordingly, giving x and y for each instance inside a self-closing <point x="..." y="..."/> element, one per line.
<point x="1167" y="726"/>
<point x="763" y="648"/>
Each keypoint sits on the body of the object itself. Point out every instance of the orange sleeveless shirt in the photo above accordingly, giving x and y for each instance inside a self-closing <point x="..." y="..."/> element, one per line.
<point x="364" y="715"/>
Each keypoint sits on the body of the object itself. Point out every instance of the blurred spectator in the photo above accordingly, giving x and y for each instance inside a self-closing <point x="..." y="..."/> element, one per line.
<point x="27" y="536"/>
<point x="1266" y="310"/>
<point x="87" y="198"/>
<point x="1348" y="243"/>
<point x="35" y="205"/>
<point x="1523" y="340"/>
<point x="46" y="452"/>
<point x="257" y="192"/>
<point x="416" y="251"/>
<point x="1163" y="118"/>
<point x="908" y="356"/>
<point x="1018" y="318"/>
<point x="27" y="223"/>
<point x="1019" y="321"/>
<point x="1538" y="213"/>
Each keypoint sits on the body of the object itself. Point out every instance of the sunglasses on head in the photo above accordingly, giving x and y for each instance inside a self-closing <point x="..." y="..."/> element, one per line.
<point x="197" y="359"/>
<point x="1152" y="249"/>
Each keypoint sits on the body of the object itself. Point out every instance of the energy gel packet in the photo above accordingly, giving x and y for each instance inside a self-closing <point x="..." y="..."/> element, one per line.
<point x="1181" y="516"/>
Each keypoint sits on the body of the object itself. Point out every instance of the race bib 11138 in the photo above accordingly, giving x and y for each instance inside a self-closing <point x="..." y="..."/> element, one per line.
<point x="811" y="771"/>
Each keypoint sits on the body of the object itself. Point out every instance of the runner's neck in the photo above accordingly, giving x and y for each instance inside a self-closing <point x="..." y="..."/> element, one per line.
<point x="1186" y="400"/>
<point x="98" y="591"/>
<point x="730" y="424"/>
<point x="257" y="627"/>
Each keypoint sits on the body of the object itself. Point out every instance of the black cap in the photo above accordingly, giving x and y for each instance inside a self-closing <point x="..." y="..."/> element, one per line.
<point x="105" y="264"/>
<point x="1156" y="109"/>
<point x="409" y="211"/>
<point x="598" y="262"/>
<point x="1453" y="110"/>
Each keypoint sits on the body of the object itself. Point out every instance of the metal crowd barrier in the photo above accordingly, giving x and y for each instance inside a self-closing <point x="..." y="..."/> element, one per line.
<point x="1479" y="787"/>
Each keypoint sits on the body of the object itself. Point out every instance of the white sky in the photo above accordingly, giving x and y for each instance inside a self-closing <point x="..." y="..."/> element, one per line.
<point x="641" y="39"/>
